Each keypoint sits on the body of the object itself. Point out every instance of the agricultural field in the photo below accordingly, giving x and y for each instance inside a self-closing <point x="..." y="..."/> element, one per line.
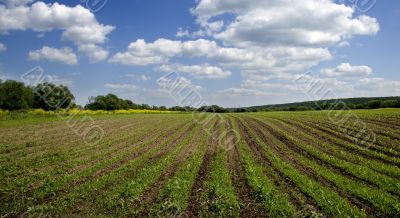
<point x="272" y="164"/>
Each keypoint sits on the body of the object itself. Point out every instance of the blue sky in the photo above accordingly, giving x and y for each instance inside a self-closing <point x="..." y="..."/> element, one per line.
<point x="233" y="52"/>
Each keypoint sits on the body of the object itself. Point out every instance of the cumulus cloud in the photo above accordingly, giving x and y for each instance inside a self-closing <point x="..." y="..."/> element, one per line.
<point x="180" y="84"/>
<point x="121" y="87"/>
<point x="15" y="3"/>
<point x="377" y="86"/>
<point x="284" y="22"/>
<point x="346" y="70"/>
<point x="63" y="55"/>
<point x="78" y="24"/>
<point x="268" y="42"/>
<point x="2" y="47"/>
<point x="250" y="61"/>
<point x="271" y="38"/>
<point x="141" y="53"/>
<point x="94" y="52"/>
<point x="59" y="80"/>
<point x="198" y="71"/>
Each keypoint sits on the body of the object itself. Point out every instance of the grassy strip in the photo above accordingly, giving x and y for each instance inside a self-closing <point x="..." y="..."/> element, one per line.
<point x="173" y="198"/>
<point x="220" y="198"/>
<point x="275" y="203"/>
<point x="329" y="201"/>
<point x="384" y="182"/>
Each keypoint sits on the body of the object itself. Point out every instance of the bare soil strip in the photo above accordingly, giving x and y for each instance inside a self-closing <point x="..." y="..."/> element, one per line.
<point x="149" y="198"/>
<point x="249" y="205"/>
<point x="198" y="187"/>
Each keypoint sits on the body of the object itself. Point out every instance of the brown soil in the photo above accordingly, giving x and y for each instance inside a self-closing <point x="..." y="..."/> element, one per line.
<point x="149" y="198"/>
<point x="249" y="205"/>
<point x="198" y="187"/>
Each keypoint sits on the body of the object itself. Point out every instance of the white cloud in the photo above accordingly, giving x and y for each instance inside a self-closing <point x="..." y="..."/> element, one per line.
<point x="3" y="47"/>
<point x="284" y="22"/>
<point x="64" y="55"/>
<point x="141" y="53"/>
<point x="78" y="24"/>
<point x="94" y="52"/>
<point x="121" y="87"/>
<point x="346" y="70"/>
<point x="15" y="3"/>
<point x="275" y="37"/>
<point x="59" y="80"/>
<point x="250" y="61"/>
<point x="180" y="84"/>
<point x="182" y="33"/>
<point x="198" y="71"/>
<point x="377" y="86"/>
<point x="268" y="42"/>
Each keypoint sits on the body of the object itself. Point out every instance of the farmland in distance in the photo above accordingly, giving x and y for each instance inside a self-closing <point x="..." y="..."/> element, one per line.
<point x="272" y="164"/>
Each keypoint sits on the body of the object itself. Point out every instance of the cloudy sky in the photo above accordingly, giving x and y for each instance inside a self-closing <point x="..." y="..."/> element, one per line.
<point x="234" y="52"/>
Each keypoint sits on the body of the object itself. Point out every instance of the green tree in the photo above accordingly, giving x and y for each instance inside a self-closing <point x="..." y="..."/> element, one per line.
<point x="15" y="95"/>
<point x="49" y="96"/>
<point x="110" y="102"/>
<point x="390" y="104"/>
<point x="374" y="104"/>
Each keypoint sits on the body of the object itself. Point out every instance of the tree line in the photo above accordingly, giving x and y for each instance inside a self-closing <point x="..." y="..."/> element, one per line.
<point x="332" y="104"/>
<point x="112" y="102"/>
<point x="16" y="96"/>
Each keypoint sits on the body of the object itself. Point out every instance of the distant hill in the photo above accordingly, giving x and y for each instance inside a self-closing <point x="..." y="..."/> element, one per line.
<point x="352" y="103"/>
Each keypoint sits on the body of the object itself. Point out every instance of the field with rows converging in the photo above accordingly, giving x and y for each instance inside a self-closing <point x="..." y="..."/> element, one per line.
<point x="273" y="164"/>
